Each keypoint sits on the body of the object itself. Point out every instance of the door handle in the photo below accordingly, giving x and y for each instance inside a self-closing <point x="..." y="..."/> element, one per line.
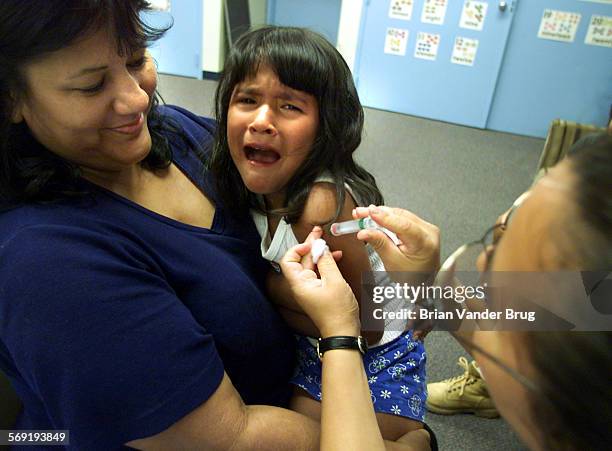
<point x="503" y="6"/>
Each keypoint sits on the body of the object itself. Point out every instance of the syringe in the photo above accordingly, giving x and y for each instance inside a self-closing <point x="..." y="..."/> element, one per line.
<point x="354" y="226"/>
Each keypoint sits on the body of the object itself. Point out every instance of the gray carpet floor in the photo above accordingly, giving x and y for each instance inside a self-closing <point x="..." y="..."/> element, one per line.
<point x="456" y="177"/>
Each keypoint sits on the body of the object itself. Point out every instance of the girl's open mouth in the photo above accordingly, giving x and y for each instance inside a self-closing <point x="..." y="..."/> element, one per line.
<point x="261" y="156"/>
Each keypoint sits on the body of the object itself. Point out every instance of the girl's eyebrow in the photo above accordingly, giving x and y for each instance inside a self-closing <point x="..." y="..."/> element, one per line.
<point x="247" y="90"/>
<point x="283" y="93"/>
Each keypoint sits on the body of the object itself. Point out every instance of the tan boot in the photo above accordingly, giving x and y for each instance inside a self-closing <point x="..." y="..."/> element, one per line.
<point x="461" y="394"/>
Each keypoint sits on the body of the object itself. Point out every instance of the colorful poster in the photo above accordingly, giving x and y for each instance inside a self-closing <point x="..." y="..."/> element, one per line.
<point x="464" y="51"/>
<point x="473" y="15"/>
<point x="427" y="46"/>
<point x="401" y="9"/>
<point x="559" y="25"/>
<point x="434" y="11"/>
<point x="396" y="41"/>
<point x="600" y="31"/>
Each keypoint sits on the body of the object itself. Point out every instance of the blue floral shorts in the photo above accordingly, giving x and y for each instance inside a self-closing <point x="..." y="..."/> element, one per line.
<point x="395" y="371"/>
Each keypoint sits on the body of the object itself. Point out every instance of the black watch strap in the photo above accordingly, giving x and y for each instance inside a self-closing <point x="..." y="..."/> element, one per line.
<point x="341" y="342"/>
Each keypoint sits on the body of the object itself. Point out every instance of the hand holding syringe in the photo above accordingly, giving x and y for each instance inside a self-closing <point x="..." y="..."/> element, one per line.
<point x="419" y="247"/>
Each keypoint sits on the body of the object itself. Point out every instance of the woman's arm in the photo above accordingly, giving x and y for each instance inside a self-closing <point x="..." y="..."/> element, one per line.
<point x="149" y="366"/>
<point x="224" y="422"/>
<point x="348" y="421"/>
<point x="347" y="418"/>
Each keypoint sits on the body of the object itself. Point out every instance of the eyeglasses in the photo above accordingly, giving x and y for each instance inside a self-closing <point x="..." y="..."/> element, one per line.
<point x="478" y="255"/>
<point x="473" y="260"/>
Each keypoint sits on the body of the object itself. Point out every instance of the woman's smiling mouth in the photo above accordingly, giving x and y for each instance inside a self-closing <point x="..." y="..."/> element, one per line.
<point x="132" y="128"/>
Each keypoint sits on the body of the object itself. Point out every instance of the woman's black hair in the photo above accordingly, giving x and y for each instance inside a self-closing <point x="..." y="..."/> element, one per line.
<point x="29" y="30"/>
<point x="305" y="61"/>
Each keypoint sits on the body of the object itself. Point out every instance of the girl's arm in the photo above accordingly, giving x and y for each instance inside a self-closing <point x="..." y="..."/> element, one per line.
<point x="320" y="209"/>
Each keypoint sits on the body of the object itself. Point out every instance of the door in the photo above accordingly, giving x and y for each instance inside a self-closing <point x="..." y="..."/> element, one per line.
<point x="438" y="59"/>
<point x="545" y="79"/>
<point x="322" y="16"/>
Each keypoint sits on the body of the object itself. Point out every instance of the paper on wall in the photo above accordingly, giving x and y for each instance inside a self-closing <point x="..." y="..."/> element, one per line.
<point x="473" y="15"/>
<point x="600" y="31"/>
<point x="559" y="25"/>
<point x="401" y="9"/>
<point x="396" y="41"/>
<point x="427" y="46"/>
<point x="464" y="51"/>
<point x="434" y="11"/>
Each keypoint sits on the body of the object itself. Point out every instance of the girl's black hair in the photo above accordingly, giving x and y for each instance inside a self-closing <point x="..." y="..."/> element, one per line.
<point x="29" y="30"/>
<point x="305" y="61"/>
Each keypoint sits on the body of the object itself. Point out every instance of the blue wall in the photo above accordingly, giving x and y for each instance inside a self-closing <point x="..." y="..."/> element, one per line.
<point x="179" y="51"/>
<point x="322" y="16"/>
<point x="541" y="80"/>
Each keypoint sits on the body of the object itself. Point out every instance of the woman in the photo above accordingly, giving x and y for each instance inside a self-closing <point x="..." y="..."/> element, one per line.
<point x="131" y="304"/>
<point x="552" y="387"/>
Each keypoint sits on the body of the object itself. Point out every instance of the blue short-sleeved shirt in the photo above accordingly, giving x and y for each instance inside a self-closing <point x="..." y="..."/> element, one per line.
<point x="115" y="322"/>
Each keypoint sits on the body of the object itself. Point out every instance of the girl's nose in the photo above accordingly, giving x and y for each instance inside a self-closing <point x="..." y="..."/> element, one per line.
<point x="263" y="121"/>
<point x="130" y="98"/>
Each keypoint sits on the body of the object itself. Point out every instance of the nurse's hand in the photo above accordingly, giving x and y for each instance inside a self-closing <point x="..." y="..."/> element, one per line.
<point x="328" y="300"/>
<point x="316" y="233"/>
<point x="420" y="248"/>
<point x="417" y="257"/>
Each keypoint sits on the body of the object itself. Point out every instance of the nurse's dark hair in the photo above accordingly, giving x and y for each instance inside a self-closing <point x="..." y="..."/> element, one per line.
<point x="32" y="29"/>
<point x="591" y="164"/>
<point x="573" y="408"/>
<point x="305" y="61"/>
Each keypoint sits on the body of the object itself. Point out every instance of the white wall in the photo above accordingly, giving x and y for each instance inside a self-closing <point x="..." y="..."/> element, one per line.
<point x="348" y="31"/>
<point x="213" y="39"/>
<point x="257" y="12"/>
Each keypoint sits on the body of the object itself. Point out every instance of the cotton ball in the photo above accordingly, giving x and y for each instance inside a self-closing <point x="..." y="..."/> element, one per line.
<point x="318" y="248"/>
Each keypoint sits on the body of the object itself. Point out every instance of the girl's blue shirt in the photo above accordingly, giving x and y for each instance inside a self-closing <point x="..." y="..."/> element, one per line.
<point x="115" y="322"/>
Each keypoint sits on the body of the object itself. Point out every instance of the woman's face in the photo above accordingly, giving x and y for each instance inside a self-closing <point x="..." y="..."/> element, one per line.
<point x="527" y="245"/>
<point x="89" y="105"/>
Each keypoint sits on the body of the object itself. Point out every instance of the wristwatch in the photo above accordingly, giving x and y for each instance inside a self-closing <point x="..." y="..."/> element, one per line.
<point x="341" y="342"/>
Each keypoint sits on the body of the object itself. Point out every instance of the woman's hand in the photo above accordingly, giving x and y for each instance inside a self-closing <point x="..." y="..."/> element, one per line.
<point x="420" y="248"/>
<point x="419" y="252"/>
<point x="328" y="300"/>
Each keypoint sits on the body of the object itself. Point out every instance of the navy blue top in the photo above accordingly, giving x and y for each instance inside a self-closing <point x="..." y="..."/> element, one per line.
<point x="115" y="322"/>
